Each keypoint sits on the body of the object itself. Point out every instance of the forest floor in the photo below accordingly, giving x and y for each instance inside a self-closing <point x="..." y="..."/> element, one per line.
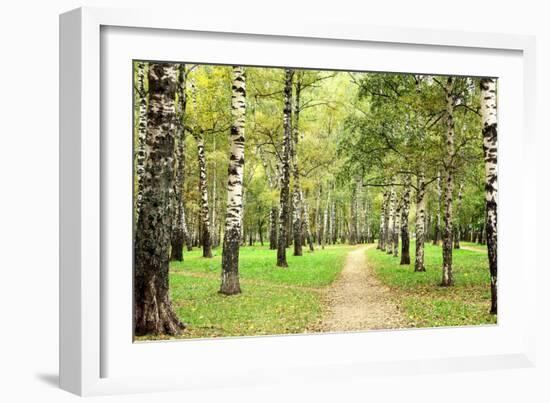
<point x="358" y="300"/>
<point x="425" y="302"/>
<point x="339" y="288"/>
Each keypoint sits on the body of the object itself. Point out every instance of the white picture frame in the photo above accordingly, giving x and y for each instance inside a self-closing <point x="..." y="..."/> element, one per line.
<point x="88" y="340"/>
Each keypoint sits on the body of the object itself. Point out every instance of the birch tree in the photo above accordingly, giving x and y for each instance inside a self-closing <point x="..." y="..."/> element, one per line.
<point x="285" y="170"/>
<point x="447" y="275"/>
<point x="142" y="132"/>
<point x="153" y="312"/>
<point x="206" y="237"/>
<point x="390" y="220"/>
<point x="179" y="231"/>
<point x="420" y="222"/>
<point x="489" y="131"/>
<point x="233" y="221"/>
<point x="405" y="253"/>
<point x="296" y="191"/>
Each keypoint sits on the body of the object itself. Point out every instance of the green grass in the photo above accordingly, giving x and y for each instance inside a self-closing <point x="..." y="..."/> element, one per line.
<point x="273" y="300"/>
<point x="425" y="302"/>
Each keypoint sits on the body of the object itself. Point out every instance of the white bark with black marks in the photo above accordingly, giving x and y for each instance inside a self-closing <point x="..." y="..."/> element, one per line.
<point x="285" y="174"/>
<point x="406" y="204"/>
<point x="437" y="229"/>
<point x="142" y="132"/>
<point x="396" y="227"/>
<point x="233" y="219"/>
<point x="420" y="223"/>
<point x="390" y="220"/>
<point x="490" y="142"/>
<point x="447" y="271"/>
<point x="296" y="190"/>
<point x="306" y="223"/>
<point x="153" y="312"/>
<point x="179" y="230"/>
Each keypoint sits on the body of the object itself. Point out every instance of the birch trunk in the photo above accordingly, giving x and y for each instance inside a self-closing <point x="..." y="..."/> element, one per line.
<point x="334" y="230"/>
<point x="489" y="130"/>
<point x="456" y="236"/>
<point x="142" y="132"/>
<point x="306" y="223"/>
<point x="437" y="229"/>
<point x="390" y="219"/>
<point x="179" y="231"/>
<point x="318" y="223"/>
<point x="405" y="244"/>
<point x="153" y="312"/>
<point x="326" y="228"/>
<point x="297" y="192"/>
<point x="353" y="214"/>
<point x="213" y="218"/>
<point x="383" y="209"/>
<point x="420" y="221"/>
<point x="206" y="237"/>
<point x="273" y="228"/>
<point x="395" y="229"/>
<point x="233" y="218"/>
<point x="447" y="275"/>
<point x="285" y="174"/>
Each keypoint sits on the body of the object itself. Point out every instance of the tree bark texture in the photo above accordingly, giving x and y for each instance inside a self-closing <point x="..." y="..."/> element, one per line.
<point x="285" y="174"/>
<point x="405" y="248"/>
<point x="489" y="129"/>
<point x="142" y="132"/>
<point x="447" y="272"/>
<point x="233" y="218"/>
<point x="390" y="219"/>
<point x="206" y="237"/>
<point x="179" y="230"/>
<point x="420" y="222"/>
<point x="153" y="312"/>
<point x="296" y="190"/>
<point x="437" y="229"/>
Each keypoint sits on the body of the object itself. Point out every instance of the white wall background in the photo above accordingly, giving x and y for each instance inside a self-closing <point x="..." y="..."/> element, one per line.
<point x="29" y="201"/>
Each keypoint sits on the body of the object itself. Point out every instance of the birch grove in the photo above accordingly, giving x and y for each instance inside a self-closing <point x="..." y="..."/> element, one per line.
<point x="403" y="164"/>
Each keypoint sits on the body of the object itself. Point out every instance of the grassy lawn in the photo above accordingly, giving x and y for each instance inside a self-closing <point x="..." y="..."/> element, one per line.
<point x="425" y="302"/>
<point x="273" y="300"/>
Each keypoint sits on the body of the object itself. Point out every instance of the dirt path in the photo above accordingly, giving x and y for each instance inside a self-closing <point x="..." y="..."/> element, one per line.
<point x="358" y="301"/>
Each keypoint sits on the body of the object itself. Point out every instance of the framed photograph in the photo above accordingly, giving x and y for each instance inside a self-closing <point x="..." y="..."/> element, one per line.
<point x="248" y="203"/>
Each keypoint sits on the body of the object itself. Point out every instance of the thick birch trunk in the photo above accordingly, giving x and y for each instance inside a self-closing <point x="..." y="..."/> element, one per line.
<point x="153" y="312"/>
<point x="447" y="275"/>
<point x="233" y="218"/>
<point x="142" y="132"/>
<point x="285" y="174"/>
<point x="489" y="129"/>
<point x="179" y="231"/>
<point x="420" y="222"/>
<point x="405" y="253"/>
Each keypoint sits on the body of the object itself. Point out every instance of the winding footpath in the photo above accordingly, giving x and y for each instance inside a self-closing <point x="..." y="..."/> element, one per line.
<point x="358" y="300"/>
